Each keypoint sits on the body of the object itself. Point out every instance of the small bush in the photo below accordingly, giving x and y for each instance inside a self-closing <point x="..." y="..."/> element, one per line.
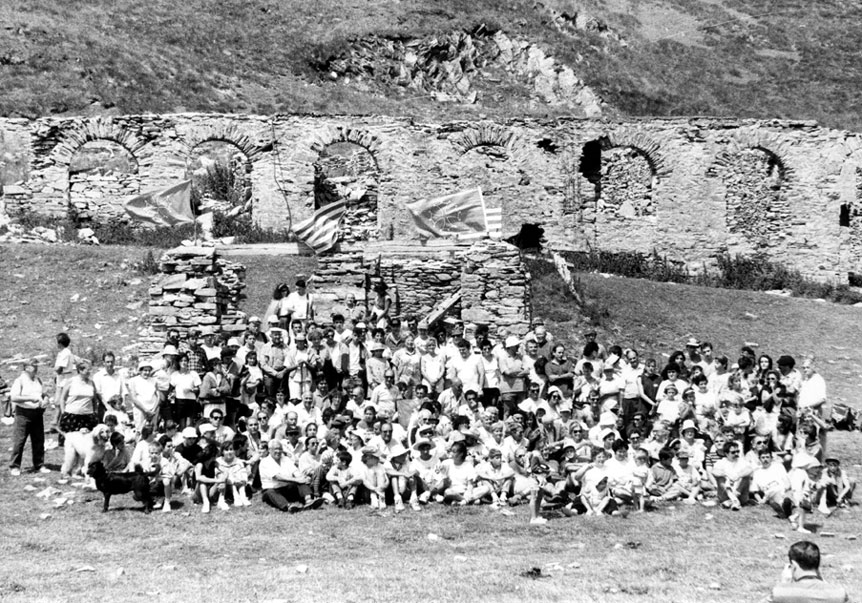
<point x="246" y="230"/>
<point x="750" y="273"/>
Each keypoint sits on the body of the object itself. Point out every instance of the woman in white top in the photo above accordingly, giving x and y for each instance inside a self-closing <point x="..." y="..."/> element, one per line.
<point x="144" y="396"/>
<point x="77" y="401"/>
<point x="491" y="369"/>
<point x="28" y="401"/>
<point x="185" y="384"/>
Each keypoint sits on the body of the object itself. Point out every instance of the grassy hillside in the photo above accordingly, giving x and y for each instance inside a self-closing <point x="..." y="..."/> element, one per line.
<point x="670" y="57"/>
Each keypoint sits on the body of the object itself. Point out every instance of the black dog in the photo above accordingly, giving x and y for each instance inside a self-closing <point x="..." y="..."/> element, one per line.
<point x="122" y="483"/>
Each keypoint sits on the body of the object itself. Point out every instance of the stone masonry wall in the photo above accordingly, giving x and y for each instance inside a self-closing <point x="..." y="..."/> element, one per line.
<point x="690" y="188"/>
<point x="495" y="287"/>
<point x="196" y="288"/>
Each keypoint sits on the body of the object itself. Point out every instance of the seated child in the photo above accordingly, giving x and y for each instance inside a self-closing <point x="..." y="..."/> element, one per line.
<point x="374" y="479"/>
<point x="493" y="479"/>
<point x="838" y="486"/>
<point x="398" y="471"/>
<point x="424" y="468"/>
<point x="171" y="469"/>
<point x="231" y="475"/>
<point x="118" y="458"/>
<point x="343" y="481"/>
<point x="206" y="484"/>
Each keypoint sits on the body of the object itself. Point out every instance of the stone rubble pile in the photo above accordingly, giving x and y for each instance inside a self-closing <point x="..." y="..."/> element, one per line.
<point x="196" y="288"/>
<point x="450" y="67"/>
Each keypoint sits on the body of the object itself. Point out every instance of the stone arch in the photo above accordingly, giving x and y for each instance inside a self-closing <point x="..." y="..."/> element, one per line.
<point x="483" y="135"/>
<point x="346" y="134"/>
<point x="504" y="165"/>
<point x="617" y="177"/>
<point x="97" y="129"/>
<point x="756" y="209"/>
<point x="645" y="146"/>
<point x="220" y="171"/>
<point x="347" y="170"/>
<point x="102" y="174"/>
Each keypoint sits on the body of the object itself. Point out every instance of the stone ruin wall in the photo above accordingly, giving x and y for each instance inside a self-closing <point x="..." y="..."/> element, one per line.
<point x="689" y="188"/>
<point x="195" y="288"/>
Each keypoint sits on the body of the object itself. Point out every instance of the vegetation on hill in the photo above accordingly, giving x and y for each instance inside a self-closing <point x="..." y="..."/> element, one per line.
<point x="790" y="59"/>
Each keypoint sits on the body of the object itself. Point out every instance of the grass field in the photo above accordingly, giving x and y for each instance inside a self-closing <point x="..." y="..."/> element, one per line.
<point x="76" y="553"/>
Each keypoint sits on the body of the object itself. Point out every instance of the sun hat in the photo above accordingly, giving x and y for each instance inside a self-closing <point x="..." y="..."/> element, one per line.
<point x="692" y="342"/>
<point x="169" y="350"/>
<point x="606" y="432"/>
<point x="397" y="450"/>
<point x="607" y="419"/>
<point x="370" y="451"/>
<point x="512" y="341"/>
<point x="688" y="424"/>
<point x="376" y="347"/>
<point x="146" y="362"/>
<point x="206" y="428"/>
<point x="233" y="342"/>
<point x="254" y="319"/>
<point x="422" y="442"/>
<point x="569" y="443"/>
<point x="190" y="432"/>
<point x="683" y="454"/>
<point x="565" y="406"/>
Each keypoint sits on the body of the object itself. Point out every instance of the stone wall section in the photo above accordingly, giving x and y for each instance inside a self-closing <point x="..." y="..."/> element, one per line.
<point x="196" y="288"/>
<point x="531" y="168"/>
<point x="495" y="287"/>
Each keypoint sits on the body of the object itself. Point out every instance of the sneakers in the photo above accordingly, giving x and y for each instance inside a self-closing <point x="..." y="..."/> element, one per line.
<point x="166" y="508"/>
<point x="425" y="497"/>
<point x="44" y="469"/>
<point x="8" y="420"/>
<point x="222" y="504"/>
<point x="538" y="521"/>
<point x="328" y="498"/>
<point x="14" y="472"/>
<point x="439" y="498"/>
<point x="414" y="504"/>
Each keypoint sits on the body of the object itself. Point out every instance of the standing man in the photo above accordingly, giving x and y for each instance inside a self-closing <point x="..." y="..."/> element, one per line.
<point x="272" y="363"/>
<point x="801" y="580"/>
<point x="110" y="385"/>
<point x="299" y="303"/>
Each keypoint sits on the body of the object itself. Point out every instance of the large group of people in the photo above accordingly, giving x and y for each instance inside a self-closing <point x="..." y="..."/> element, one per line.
<point x="366" y="409"/>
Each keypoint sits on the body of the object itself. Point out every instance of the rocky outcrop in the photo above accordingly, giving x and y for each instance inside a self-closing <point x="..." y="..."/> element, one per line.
<point x="453" y="67"/>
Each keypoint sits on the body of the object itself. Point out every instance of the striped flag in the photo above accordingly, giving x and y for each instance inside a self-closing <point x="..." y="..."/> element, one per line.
<point x="494" y="222"/>
<point x="320" y="231"/>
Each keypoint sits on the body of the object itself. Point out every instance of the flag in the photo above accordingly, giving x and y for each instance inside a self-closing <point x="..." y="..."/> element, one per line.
<point x="494" y="222"/>
<point x="461" y="215"/>
<point x="320" y="231"/>
<point x="165" y="207"/>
